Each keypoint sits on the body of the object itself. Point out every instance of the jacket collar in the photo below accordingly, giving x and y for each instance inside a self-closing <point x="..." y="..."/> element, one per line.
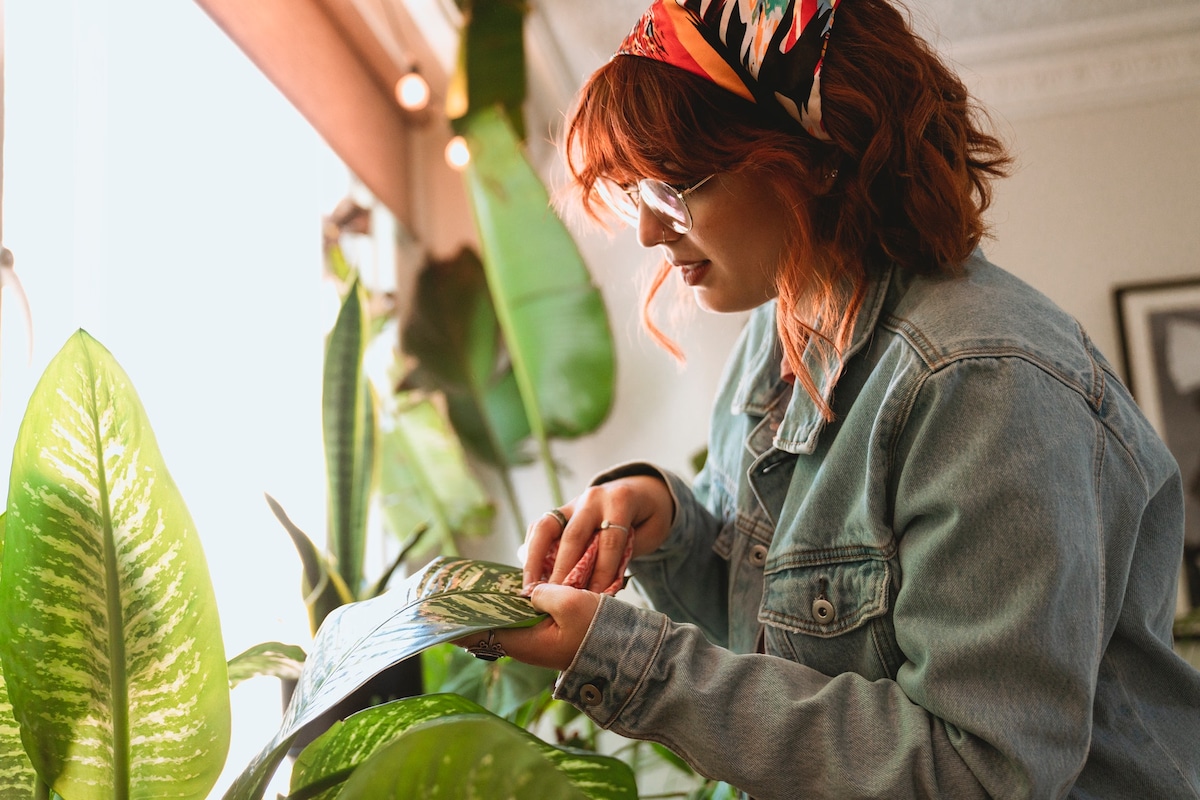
<point x="760" y="386"/>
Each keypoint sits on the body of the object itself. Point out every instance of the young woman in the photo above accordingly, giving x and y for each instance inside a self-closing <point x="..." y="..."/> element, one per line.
<point x="934" y="549"/>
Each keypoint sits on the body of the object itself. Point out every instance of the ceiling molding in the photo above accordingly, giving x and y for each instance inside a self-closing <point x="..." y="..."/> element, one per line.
<point x="1092" y="65"/>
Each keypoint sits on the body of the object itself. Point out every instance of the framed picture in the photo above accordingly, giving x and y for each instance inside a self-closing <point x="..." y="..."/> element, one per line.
<point x="1159" y="325"/>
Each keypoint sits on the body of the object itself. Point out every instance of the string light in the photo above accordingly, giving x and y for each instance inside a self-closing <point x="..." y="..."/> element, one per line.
<point x="412" y="91"/>
<point x="457" y="154"/>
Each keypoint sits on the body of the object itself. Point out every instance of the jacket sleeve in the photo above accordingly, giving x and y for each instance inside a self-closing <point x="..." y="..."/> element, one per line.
<point x="1006" y="489"/>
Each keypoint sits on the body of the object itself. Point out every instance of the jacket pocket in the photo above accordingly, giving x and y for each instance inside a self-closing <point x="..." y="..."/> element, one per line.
<point x="832" y="615"/>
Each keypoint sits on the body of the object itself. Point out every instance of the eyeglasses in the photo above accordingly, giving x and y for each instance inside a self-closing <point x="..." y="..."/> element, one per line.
<point x="665" y="201"/>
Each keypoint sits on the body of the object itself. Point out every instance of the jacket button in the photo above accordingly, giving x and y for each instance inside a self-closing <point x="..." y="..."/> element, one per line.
<point x="590" y="695"/>
<point x="822" y="610"/>
<point x="758" y="555"/>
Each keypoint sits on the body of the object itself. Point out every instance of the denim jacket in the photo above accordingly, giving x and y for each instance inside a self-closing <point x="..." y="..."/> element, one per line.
<point x="962" y="587"/>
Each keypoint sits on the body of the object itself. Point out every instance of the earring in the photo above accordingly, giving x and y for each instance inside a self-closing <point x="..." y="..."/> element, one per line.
<point x="832" y="174"/>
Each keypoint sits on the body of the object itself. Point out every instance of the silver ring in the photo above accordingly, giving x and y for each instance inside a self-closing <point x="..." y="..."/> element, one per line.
<point x="558" y="515"/>
<point x="487" y="649"/>
<point x="606" y="525"/>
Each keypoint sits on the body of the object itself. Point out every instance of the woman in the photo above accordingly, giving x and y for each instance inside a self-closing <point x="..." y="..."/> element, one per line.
<point x="933" y="551"/>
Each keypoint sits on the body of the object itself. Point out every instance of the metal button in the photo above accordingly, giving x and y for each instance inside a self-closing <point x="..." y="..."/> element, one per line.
<point x="758" y="555"/>
<point x="822" y="610"/>
<point x="590" y="695"/>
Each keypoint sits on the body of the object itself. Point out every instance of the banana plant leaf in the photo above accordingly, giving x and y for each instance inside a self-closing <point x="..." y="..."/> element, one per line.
<point x="452" y="332"/>
<point x="447" y="600"/>
<point x="17" y="777"/>
<point x="490" y="69"/>
<point x="425" y="480"/>
<point x="553" y="318"/>
<point x="349" y="420"/>
<point x="109" y="637"/>
<point x="460" y="754"/>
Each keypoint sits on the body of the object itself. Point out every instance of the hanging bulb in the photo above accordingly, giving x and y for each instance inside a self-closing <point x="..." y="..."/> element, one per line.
<point x="412" y="91"/>
<point x="457" y="154"/>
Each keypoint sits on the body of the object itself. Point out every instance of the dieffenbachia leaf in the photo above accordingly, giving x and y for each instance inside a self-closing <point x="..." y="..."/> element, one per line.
<point x="273" y="659"/>
<point x="16" y="771"/>
<point x="447" y="600"/>
<point x="109" y="636"/>
<point x="438" y="746"/>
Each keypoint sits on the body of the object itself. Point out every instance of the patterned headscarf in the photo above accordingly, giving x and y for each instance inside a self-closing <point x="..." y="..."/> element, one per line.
<point x="767" y="51"/>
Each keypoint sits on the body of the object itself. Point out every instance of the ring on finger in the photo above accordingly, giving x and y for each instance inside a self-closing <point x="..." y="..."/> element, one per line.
<point x="606" y="525"/>
<point x="558" y="515"/>
<point x="487" y="649"/>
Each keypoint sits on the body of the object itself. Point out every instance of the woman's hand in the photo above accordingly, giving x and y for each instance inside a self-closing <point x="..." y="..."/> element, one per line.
<point x="553" y="642"/>
<point x="638" y="505"/>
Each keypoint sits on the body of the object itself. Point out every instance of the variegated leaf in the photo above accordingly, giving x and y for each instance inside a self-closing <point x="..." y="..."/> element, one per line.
<point x="349" y="744"/>
<point x="109" y="636"/>
<point x="16" y="772"/>
<point x="449" y="599"/>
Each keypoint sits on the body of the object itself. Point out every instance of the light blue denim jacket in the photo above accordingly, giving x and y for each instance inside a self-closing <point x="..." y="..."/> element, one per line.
<point x="963" y="587"/>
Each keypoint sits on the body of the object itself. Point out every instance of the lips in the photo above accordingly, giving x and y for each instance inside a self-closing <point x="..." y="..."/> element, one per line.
<point x="693" y="273"/>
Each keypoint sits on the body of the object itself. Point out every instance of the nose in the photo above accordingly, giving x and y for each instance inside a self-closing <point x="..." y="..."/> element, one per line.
<point x="651" y="230"/>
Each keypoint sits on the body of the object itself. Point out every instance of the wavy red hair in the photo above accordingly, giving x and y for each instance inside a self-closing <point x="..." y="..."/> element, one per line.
<point x="914" y="167"/>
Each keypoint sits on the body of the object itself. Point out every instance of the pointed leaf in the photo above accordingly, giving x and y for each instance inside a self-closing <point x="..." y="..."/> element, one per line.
<point x="16" y="771"/>
<point x="323" y="588"/>
<point x="274" y="659"/>
<point x="425" y="479"/>
<point x="453" y="333"/>
<point x="349" y="419"/>
<point x="552" y="316"/>
<point x="447" y="600"/>
<point x="109" y="636"/>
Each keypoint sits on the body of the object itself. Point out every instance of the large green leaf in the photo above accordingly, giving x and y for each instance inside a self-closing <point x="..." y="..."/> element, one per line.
<point x="16" y="771"/>
<point x="482" y="756"/>
<point x="452" y="331"/>
<point x="491" y="61"/>
<point x="449" y="599"/>
<point x="552" y="316"/>
<point x="502" y="687"/>
<point x="109" y="636"/>
<point x="425" y="480"/>
<point x="349" y="419"/>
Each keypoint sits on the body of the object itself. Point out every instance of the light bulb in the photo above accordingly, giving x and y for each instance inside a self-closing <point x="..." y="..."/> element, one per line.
<point x="457" y="154"/>
<point x="412" y="91"/>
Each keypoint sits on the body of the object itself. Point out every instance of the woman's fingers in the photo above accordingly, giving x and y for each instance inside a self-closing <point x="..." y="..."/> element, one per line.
<point x="552" y="642"/>
<point x="540" y="539"/>
<point x="613" y="541"/>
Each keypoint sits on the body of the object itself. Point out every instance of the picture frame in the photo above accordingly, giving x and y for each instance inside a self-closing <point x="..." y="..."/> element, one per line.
<point x="1159" y="328"/>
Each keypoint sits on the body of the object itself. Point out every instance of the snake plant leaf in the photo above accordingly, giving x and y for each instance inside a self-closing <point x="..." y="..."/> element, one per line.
<point x="452" y="332"/>
<point x="349" y="419"/>
<point x="552" y="316"/>
<point x="16" y="770"/>
<point x="321" y="584"/>
<point x="273" y="659"/>
<point x="109" y="637"/>
<point x="447" y="600"/>
<point x="425" y="480"/>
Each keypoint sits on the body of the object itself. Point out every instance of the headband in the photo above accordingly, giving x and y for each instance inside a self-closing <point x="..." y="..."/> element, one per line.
<point x="766" y="51"/>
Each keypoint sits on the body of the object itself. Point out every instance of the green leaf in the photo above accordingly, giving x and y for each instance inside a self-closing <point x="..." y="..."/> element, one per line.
<point x="349" y="419"/>
<point x="501" y="687"/>
<point x="109" y="636"/>
<point x="552" y="316"/>
<point x="490" y="69"/>
<point x="453" y="333"/>
<point x="16" y="771"/>
<point x="425" y="479"/>
<point x="273" y="659"/>
<point x="322" y="586"/>
<point x="449" y="599"/>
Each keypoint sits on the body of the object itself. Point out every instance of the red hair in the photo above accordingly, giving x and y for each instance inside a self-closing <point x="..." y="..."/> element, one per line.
<point x="913" y="164"/>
